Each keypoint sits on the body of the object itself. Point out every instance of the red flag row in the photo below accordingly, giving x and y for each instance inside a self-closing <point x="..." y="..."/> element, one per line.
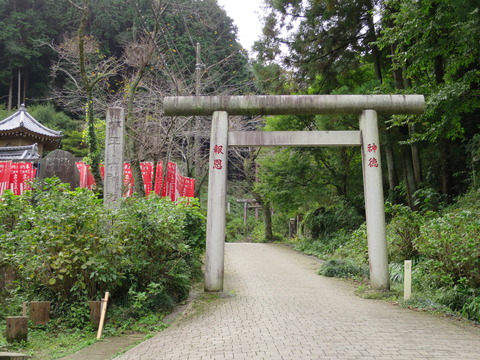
<point x="174" y="186"/>
<point x="16" y="177"/>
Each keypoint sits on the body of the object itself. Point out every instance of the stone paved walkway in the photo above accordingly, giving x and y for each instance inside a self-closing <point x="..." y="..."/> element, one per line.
<point x="276" y="307"/>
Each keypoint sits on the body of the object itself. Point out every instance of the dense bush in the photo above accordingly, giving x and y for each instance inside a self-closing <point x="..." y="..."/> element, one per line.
<point x="324" y="222"/>
<point x="356" y="246"/>
<point x="401" y="231"/>
<point x="452" y="245"/>
<point x="67" y="248"/>
<point x="237" y="230"/>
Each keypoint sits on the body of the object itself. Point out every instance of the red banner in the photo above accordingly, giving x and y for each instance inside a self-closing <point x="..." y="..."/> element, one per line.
<point x="83" y="170"/>
<point x="20" y="175"/>
<point x="5" y="168"/>
<point x="158" y="178"/>
<point x="189" y="187"/>
<point x="171" y="183"/>
<point x="147" y="174"/>
<point x="186" y="186"/>
<point x="127" y="180"/>
<point x="86" y="177"/>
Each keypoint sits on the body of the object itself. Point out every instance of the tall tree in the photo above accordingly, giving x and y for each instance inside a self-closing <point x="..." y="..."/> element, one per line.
<point x="174" y="68"/>
<point x="25" y="26"/>
<point x="433" y="55"/>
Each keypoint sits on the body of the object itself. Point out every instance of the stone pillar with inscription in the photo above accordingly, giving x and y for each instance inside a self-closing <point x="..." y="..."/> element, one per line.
<point x="217" y="204"/>
<point x="374" y="202"/>
<point x="114" y="144"/>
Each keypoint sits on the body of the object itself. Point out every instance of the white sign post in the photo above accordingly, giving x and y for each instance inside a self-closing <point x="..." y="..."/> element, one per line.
<point x="407" y="280"/>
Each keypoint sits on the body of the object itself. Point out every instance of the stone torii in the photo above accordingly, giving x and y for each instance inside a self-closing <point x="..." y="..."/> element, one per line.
<point x="366" y="106"/>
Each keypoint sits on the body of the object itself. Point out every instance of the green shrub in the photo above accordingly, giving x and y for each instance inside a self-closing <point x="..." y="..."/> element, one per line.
<point x="396" y="271"/>
<point x="343" y="269"/>
<point x="67" y="248"/>
<point x="402" y="230"/>
<point x="455" y="297"/>
<point x="60" y="243"/>
<point x="326" y="246"/>
<point x="323" y="221"/>
<point x="356" y="248"/>
<point x="11" y="209"/>
<point x="452" y="245"/>
<point x="471" y="309"/>
<point x="235" y="229"/>
<point x="155" y="236"/>
<point x="427" y="199"/>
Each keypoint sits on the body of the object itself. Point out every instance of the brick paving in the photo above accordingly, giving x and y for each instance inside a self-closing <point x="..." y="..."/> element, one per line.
<point x="276" y="307"/>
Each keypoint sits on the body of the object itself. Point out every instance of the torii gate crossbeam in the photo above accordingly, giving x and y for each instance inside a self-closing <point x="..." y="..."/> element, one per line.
<point x="366" y="106"/>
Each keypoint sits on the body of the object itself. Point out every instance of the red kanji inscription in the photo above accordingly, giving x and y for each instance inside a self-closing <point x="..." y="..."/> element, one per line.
<point x="372" y="162"/>
<point x="372" y="147"/>
<point x="218" y="149"/>
<point x="217" y="164"/>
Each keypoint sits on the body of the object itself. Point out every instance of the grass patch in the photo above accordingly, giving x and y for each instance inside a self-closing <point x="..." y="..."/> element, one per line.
<point x="47" y="342"/>
<point x="365" y="292"/>
<point x="343" y="269"/>
<point x="46" y="345"/>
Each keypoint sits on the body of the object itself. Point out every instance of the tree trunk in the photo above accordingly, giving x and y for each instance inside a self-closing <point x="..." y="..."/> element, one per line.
<point x="250" y="175"/>
<point x="19" y="90"/>
<point x="392" y="171"/>
<point x="10" y="95"/>
<point x="445" y="167"/>
<point x="410" y="185"/>
<point x="25" y="86"/>
<point x="267" y="215"/>
<point x="417" y="165"/>
<point x="88" y="89"/>
<point x="132" y="142"/>
<point x="93" y="145"/>
<point x="372" y="38"/>
<point x="407" y="83"/>
<point x="397" y="73"/>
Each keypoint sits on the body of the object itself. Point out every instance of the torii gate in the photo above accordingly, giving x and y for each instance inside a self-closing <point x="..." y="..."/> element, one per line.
<point x="366" y="106"/>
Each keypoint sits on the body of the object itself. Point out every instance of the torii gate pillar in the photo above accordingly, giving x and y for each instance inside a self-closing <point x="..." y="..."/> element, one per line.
<point x="217" y="184"/>
<point x="374" y="202"/>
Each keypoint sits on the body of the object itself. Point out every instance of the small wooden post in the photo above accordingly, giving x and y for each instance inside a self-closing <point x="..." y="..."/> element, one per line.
<point x="102" y="316"/>
<point x="17" y="328"/>
<point x="407" y="280"/>
<point x="40" y="312"/>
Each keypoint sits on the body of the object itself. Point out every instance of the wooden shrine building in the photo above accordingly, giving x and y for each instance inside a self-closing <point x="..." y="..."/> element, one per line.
<point x="22" y="137"/>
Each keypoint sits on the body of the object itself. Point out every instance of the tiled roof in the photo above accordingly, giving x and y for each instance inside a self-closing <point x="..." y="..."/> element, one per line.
<point x="23" y="121"/>
<point x="19" y="152"/>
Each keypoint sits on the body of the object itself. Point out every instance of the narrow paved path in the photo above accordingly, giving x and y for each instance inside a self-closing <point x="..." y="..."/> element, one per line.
<point x="276" y="307"/>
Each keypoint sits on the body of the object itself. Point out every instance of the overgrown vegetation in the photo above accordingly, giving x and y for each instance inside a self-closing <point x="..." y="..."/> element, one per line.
<point x="444" y="246"/>
<point x="63" y="246"/>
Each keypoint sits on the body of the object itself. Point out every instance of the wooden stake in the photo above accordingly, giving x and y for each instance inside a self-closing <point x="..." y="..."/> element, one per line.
<point x="102" y="316"/>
